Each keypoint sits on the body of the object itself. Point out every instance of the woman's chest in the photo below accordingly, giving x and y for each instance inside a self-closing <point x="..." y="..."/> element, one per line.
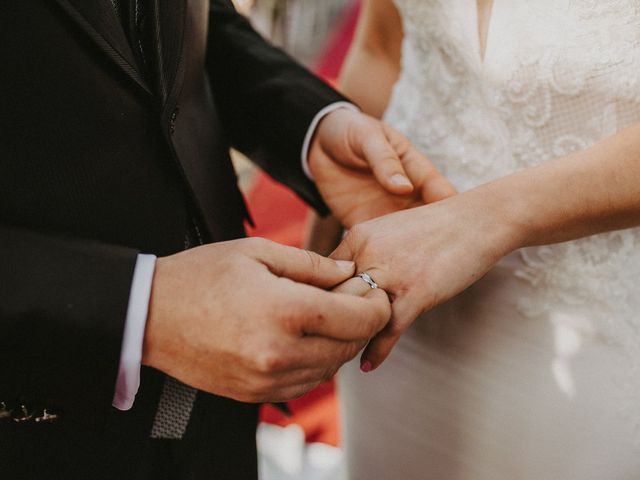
<point x="569" y="42"/>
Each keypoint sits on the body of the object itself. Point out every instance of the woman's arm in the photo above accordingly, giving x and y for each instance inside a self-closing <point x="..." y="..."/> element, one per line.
<point x="588" y="192"/>
<point x="370" y="70"/>
<point x="373" y="63"/>
<point x="426" y="255"/>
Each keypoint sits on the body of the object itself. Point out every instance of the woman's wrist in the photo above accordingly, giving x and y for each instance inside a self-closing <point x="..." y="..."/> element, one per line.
<point x="507" y="219"/>
<point x="538" y="205"/>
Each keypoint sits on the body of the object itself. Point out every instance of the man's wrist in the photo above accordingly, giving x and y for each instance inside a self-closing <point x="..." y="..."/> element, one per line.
<point x="311" y="131"/>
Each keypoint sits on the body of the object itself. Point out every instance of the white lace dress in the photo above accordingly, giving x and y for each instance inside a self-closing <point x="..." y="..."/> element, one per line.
<point x="534" y="372"/>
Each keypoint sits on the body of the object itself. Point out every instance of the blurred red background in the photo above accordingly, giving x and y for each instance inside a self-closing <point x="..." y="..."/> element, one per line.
<point x="281" y="216"/>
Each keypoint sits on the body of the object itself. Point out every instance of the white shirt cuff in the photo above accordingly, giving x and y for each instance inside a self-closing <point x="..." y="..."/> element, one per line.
<point x="312" y="130"/>
<point x="128" y="380"/>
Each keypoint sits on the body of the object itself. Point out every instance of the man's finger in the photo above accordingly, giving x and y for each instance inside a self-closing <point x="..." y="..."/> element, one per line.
<point x="434" y="186"/>
<point x="345" y="250"/>
<point x="313" y="352"/>
<point x="354" y="286"/>
<point x="304" y="266"/>
<point x="303" y="376"/>
<point x="327" y="352"/>
<point x="319" y="360"/>
<point x="341" y="316"/>
<point x="385" y="164"/>
<point x="422" y="173"/>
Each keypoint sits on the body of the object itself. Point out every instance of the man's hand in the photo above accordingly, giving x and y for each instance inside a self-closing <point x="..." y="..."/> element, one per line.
<point x="423" y="256"/>
<point x="250" y="319"/>
<point x="365" y="169"/>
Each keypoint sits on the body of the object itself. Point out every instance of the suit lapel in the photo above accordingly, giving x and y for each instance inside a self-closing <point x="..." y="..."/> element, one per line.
<point x="98" y="19"/>
<point x="167" y="22"/>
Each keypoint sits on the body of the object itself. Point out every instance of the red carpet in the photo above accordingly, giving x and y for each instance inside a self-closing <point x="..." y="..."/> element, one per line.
<point x="280" y="216"/>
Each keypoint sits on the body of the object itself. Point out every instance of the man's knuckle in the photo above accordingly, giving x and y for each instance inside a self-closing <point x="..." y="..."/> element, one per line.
<point x="250" y="241"/>
<point x="269" y="361"/>
<point x="291" y="323"/>
<point x="313" y="260"/>
<point x="257" y="243"/>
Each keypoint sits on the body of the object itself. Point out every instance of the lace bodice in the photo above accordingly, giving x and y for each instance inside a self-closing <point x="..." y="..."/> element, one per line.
<point x="534" y="371"/>
<point x="557" y="76"/>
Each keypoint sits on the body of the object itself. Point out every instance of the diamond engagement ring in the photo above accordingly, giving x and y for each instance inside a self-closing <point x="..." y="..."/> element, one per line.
<point x="367" y="278"/>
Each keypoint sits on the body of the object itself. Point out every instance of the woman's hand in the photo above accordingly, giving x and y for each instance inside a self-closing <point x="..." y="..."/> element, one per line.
<point x="424" y="256"/>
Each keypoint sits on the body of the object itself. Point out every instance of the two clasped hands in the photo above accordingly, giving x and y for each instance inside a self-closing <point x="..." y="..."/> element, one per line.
<point x="257" y="321"/>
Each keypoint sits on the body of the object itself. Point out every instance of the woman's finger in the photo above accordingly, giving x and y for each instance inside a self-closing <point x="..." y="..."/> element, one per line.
<point x="405" y="311"/>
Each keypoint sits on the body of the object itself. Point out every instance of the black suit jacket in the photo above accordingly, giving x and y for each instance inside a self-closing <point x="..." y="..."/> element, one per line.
<point x="98" y="162"/>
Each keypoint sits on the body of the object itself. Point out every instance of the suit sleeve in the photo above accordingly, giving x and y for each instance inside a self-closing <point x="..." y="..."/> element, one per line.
<point x="63" y="305"/>
<point x="267" y="100"/>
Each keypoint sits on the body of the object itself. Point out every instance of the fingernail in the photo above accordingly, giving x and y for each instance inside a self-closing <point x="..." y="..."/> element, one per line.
<point x="400" y="180"/>
<point x="345" y="265"/>
<point x="366" y="366"/>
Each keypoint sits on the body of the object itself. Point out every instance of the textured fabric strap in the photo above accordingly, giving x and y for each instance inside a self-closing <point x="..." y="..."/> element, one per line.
<point x="177" y="399"/>
<point x="174" y="410"/>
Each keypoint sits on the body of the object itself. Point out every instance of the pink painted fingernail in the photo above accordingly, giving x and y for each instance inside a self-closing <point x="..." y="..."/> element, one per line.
<point x="366" y="366"/>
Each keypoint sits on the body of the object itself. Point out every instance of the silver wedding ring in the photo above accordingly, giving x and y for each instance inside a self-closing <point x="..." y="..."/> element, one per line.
<point x="367" y="278"/>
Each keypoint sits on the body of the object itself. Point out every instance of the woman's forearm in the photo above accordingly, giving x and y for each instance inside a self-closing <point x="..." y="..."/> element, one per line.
<point x="588" y="192"/>
<point x="367" y="79"/>
<point x="373" y="63"/>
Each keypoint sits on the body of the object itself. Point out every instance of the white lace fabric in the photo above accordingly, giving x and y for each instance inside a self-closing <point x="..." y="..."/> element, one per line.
<point x="557" y="77"/>
<point x="534" y="371"/>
